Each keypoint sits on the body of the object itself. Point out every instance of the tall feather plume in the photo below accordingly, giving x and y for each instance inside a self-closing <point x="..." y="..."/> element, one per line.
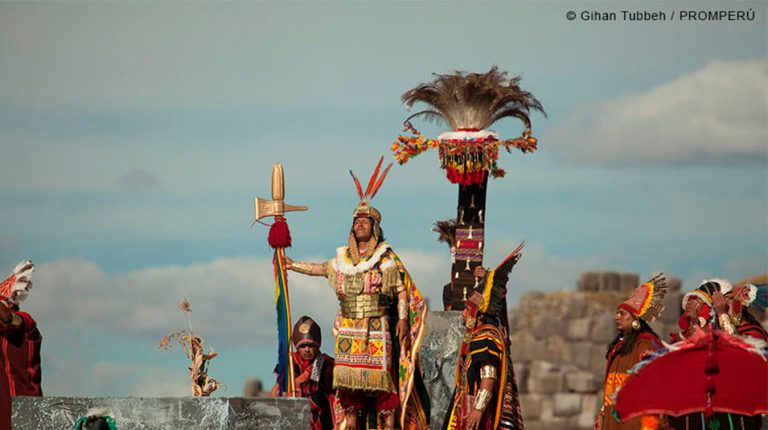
<point x="446" y="230"/>
<point x="473" y="100"/>
<point x="372" y="181"/>
<point x="656" y="306"/>
<point x="357" y="185"/>
<point x="380" y="181"/>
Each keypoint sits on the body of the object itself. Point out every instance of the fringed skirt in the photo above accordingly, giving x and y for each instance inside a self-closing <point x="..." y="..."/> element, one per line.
<point x="363" y="355"/>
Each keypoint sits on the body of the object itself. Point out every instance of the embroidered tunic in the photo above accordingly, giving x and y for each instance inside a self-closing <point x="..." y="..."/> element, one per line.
<point x="367" y="293"/>
<point x="616" y="375"/>
<point x="486" y="346"/>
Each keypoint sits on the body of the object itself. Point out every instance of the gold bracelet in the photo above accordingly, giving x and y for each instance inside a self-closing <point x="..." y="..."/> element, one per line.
<point x="702" y="322"/>
<point x="305" y="268"/>
<point x="735" y="319"/>
<point x="482" y="399"/>
<point x="725" y="324"/>
<point x="487" y="372"/>
<point x="402" y="309"/>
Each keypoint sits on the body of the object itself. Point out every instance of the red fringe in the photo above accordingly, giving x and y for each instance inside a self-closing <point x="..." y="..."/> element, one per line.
<point x="279" y="235"/>
<point x="471" y="178"/>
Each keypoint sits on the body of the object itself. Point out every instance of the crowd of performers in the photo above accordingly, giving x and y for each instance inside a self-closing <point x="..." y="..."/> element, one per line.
<point x="714" y="307"/>
<point x="374" y="379"/>
<point x="20" y="342"/>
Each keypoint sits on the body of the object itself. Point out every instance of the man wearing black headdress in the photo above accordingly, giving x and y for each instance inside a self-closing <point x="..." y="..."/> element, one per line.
<point x="314" y="371"/>
<point x="485" y="395"/>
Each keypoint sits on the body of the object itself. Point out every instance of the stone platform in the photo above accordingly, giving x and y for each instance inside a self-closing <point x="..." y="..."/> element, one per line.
<point x="178" y="413"/>
<point x="438" y="351"/>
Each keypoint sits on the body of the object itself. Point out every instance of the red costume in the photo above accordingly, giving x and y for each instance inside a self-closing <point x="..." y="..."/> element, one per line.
<point x="5" y="400"/>
<point x="14" y="328"/>
<point x="21" y="352"/>
<point x="631" y="345"/>
<point x="314" y="376"/>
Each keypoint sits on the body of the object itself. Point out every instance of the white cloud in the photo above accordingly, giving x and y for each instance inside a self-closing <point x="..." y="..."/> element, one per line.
<point x="716" y="114"/>
<point x="233" y="299"/>
<point x="138" y="379"/>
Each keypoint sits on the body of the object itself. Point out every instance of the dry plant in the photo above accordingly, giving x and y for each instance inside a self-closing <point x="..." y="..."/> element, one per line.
<point x="202" y="385"/>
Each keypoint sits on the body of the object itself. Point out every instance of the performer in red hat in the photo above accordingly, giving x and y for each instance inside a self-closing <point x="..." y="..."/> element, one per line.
<point x="634" y="340"/>
<point x="698" y="307"/>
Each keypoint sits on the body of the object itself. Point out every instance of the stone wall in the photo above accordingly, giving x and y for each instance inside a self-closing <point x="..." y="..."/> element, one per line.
<point x="559" y="342"/>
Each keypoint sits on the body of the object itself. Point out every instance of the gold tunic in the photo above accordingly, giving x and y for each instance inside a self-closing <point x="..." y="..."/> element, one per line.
<point x="367" y="291"/>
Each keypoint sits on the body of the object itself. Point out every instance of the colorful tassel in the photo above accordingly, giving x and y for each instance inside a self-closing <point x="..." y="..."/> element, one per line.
<point x="279" y="235"/>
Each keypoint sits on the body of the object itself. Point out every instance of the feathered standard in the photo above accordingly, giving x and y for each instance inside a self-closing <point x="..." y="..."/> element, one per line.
<point x="469" y="103"/>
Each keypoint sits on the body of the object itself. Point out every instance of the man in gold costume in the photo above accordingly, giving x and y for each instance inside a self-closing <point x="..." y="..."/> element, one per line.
<point x="379" y="326"/>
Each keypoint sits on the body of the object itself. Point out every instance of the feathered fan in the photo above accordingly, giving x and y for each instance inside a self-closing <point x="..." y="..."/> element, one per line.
<point x="473" y="100"/>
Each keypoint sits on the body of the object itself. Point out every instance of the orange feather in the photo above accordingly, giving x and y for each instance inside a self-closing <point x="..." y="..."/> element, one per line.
<point x="381" y="180"/>
<point x="373" y="178"/>
<point x="357" y="185"/>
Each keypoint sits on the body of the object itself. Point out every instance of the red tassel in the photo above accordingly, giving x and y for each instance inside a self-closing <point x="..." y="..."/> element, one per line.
<point x="708" y="411"/>
<point x="709" y="386"/>
<point x="279" y="235"/>
<point x="710" y="365"/>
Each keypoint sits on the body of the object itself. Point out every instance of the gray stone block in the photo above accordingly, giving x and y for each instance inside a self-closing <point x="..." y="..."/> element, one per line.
<point x="536" y="425"/>
<point x="587" y="282"/>
<point x="246" y="414"/>
<point x="545" y="327"/>
<point x="519" y="347"/>
<point x="547" y="409"/>
<point x="581" y="354"/>
<point x="603" y="327"/>
<point x="674" y="284"/>
<point x="521" y="376"/>
<point x="558" y="350"/>
<point x="590" y="403"/>
<point x="580" y="382"/>
<point x="573" y="306"/>
<point x="585" y="421"/>
<point x="567" y="404"/>
<point x="524" y="348"/>
<point x="578" y="329"/>
<point x="531" y="298"/>
<point x="545" y="378"/>
<point x="253" y="388"/>
<point x="439" y="354"/>
<point x="598" y="363"/>
<point x="672" y="307"/>
<point x="608" y="281"/>
<point x="531" y="406"/>
<point x="558" y="423"/>
<point x="193" y="413"/>
<point x="628" y="281"/>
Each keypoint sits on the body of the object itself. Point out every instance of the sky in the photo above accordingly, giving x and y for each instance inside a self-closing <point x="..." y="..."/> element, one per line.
<point x="135" y="136"/>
